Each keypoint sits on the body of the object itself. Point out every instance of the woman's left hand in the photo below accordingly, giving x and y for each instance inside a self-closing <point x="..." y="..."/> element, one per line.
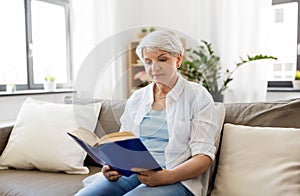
<point x="191" y="168"/>
<point x="156" y="178"/>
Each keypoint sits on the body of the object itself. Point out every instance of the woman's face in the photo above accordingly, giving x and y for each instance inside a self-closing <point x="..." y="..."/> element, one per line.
<point x="162" y="66"/>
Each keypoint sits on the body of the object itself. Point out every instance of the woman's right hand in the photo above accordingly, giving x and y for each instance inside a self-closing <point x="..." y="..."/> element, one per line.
<point x="111" y="175"/>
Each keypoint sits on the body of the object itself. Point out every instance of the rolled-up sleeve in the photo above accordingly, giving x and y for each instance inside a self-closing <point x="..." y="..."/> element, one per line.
<point x="204" y="129"/>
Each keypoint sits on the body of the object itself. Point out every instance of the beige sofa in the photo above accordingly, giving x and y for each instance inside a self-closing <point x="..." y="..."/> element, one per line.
<point x="18" y="182"/>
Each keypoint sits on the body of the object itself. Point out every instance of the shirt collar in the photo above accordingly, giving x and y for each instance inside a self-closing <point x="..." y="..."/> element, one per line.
<point x="175" y="92"/>
<point x="178" y="88"/>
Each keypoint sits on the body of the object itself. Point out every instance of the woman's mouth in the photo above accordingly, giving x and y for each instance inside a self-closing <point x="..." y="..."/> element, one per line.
<point x="156" y="75"/>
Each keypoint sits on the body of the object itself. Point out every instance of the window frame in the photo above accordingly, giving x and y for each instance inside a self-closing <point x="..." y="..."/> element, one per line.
<point x="287" y="84"/>
<point x="29" y="59"/>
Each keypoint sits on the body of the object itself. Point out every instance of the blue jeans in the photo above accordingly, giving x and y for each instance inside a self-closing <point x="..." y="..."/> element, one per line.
<point x="130" y="186"/>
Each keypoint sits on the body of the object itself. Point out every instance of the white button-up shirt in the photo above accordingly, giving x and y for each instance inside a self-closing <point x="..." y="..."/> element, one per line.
<point x="193" y="124"/>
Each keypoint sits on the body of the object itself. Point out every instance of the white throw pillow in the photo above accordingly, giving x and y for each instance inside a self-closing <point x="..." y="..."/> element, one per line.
<point x="258" y="161"/>
<point x="39" y="140"/>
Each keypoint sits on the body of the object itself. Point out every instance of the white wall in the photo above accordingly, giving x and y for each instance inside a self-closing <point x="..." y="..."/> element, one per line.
<point x="275" y="96"/>
<point x="193" y="17"/>
<point x="10" y="105"/>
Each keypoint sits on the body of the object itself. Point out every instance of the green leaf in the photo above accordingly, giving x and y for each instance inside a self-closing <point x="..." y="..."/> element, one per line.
<point x="49" y="78"/>
<point x="203" y="66"/>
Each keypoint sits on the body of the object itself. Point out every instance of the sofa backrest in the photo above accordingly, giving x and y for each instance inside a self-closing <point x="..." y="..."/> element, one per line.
<point x="265" y="114"/>
<point x="275" y="114"/>
<point x="5" y="131"/>
<point x="109" y="117"/>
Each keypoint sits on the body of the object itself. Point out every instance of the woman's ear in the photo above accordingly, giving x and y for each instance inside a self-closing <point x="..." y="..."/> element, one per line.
<point x="179" y="60"/>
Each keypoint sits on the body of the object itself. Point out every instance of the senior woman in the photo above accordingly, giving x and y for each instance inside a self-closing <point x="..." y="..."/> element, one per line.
<point x="176" y="120"/>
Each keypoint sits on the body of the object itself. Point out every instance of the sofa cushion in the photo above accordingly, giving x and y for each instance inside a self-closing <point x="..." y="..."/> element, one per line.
<point x="283" y="113"/>
<point x="39" y="139"/>
<point x="34" y="182"/>
<point x="258" y="161"/>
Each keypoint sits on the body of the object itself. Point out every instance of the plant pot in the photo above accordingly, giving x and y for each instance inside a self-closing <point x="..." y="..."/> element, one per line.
<point x="217" y="97"/>
<point x="296" y="84"/>
<point x="49" y="85"/>
<point x="10" y="88"/>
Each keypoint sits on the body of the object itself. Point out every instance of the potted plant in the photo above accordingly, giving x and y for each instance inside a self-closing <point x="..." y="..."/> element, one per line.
<point x="49" y="83"/>
<point x="296" y="82"/>
<point x="203" y="66"/>
<point x="10" y="88"/>
<point x="151" y="29"/>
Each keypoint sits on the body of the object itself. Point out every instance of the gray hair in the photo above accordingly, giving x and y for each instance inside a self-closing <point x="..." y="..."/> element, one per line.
<point x="162" y="40"/>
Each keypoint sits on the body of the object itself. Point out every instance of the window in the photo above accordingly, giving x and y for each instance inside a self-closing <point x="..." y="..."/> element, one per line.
<point x="35" y="42"/>
<point x="13" y="43"/>
<point x="285" y="39"/>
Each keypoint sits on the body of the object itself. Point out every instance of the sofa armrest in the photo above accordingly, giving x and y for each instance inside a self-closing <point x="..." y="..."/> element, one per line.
<point x="5" y="130"/>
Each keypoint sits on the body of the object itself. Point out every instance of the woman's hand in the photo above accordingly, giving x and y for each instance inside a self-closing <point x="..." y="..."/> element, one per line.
<point x="191" y="168"/>
<point x="156" y="178"/>
<point x="111" y="175"/>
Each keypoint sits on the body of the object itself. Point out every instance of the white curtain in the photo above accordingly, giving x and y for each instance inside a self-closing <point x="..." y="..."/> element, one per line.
<point x="98" y="67"/>
<point x="242" y="25"/>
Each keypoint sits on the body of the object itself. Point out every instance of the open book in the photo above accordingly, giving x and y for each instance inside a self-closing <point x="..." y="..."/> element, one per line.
<point x="122" y="151"/>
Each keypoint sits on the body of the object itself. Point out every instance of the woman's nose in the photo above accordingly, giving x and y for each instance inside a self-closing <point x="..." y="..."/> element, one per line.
<point x="155" y="66"/>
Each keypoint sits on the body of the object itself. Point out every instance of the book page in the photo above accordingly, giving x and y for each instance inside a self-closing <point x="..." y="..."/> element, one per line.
<point x="91" y="138"/>
<point x="86" y="135"/>
<point x="112" y="137"/>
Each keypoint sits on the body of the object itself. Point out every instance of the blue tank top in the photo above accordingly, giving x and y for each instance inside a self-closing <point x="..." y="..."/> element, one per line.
<point x="154" y="134"/>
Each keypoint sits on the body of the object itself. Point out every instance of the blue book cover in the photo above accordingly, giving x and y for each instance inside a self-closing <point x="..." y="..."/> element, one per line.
<point x="122" y="155"/>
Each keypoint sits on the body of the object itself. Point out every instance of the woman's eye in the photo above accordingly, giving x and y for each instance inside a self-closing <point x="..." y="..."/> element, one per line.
<point x="163" y="59"/>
